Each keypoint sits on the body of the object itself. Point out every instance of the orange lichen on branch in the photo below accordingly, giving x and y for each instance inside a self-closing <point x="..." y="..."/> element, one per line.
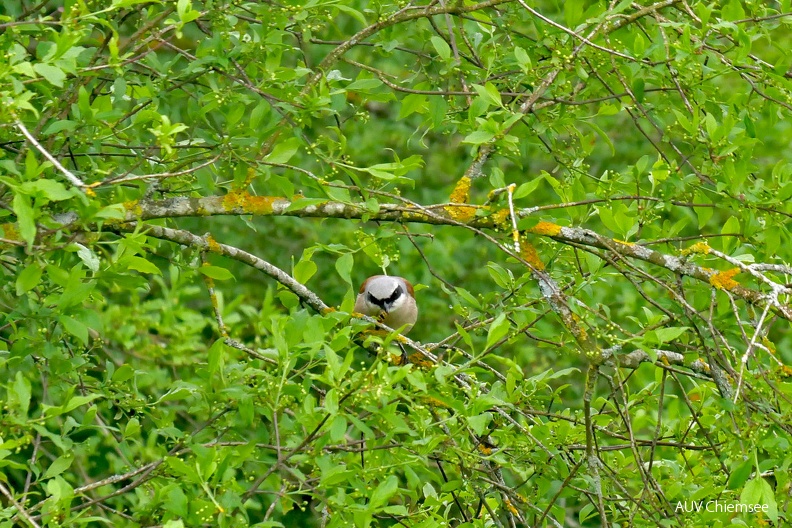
<point x="699" y="247"/>
<point x="723" y="279"/>
<point x="247" y="203"/>
<point x="529" y="254"/>
<point x="546" y="228"/>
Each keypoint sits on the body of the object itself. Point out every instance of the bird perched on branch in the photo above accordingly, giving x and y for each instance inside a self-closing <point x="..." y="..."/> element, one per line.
<point x="390" y="299"/>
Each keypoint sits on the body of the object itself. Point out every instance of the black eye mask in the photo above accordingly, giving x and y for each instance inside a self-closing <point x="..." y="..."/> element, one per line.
<point x="386" y="303"/>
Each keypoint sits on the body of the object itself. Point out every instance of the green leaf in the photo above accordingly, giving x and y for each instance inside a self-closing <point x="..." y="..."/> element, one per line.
<point x="384" y="492"/>
<point x="73" y="403"/>
<point x="216" y="272"/>
<point x="479" y="423"/>
<point x="89" y="258"/>
<point x="331" y="401"/>
<point x="364" y="85"/>
<point x="283" y="151"/>
<point x="489" y="93"/>
<point x="733" y="11"/>
<point x="759" y="492"/>
<point x="215" y="356"/>
<point x="28" y="278"/>
<point x="666" y="335"/>
<point x="497" y="330"/>
<point x="59" y="465"/>
<point x="740" y="475"/>
<point x="52" y="190"/>
<point x="442" y="47"/>
<point x="354" y="13"/>
<point x="526" y="189"/>
<point x="412" y="103"/>
<point x="338" y="428"/>
<point x="730" y="226"/>
<point x="79" y="401"/>
<point x="114" y="211"/>
<point x="478" y="137"/>
<point x="76" y="328"/>
<point x="344" y="265"/>
<point x="142" y="265"/>
<point x="52" y="74"/>
<point x="573" y="12"/>
<point x="523" y="59"/>
<point x="22" y="392"/>
<point x="304" y="270"/>
<point x="25" y="218"/>
<point x="132" y="428"/>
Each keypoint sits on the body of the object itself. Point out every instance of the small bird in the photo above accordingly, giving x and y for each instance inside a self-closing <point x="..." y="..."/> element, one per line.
<point x="390" y="299"/>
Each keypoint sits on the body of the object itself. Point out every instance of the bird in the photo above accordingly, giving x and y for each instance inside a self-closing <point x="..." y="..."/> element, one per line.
<point x="390" y="299"/>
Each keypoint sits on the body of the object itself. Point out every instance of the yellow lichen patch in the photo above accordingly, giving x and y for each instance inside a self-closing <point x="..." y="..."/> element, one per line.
<point x="723" y="279"/>
<point x="210" y="284"/>
<point x="485" y="449"/>
<point x="234" y="200"/>
<point x="397" y="359"/>
<point x="434" y="402"/>
<point x="699" y="247"/>
<point x="247" y="203"/>
<point x="701" y="364"/>
<point x="769" y="344"/>
<point x="624" y="242"/>
<point x="10" y="231"/>
<point x="416" y="215"/>
<point x="328" y="310"/>
<point x="529" y="254"/>
<point x="420" y="361"/>
<point x="133" y="206"/>
<point x="546" y="228"/>
<point x="251" y="175"/>
<point x="461" y="192"/>
<point x="213" y="245"/>
<point x="510" y="507"/>
<point x="786" y="371"/>
<point x="90" y="192"/>
<point x="461" y="213"/>
<point x="501" y="218"/>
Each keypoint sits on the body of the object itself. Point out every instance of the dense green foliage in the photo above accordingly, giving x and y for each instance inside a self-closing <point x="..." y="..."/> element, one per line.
<point x="591" y="197"/>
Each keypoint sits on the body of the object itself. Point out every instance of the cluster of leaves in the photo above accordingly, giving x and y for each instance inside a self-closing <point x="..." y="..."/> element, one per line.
<point x="577" y="378"/>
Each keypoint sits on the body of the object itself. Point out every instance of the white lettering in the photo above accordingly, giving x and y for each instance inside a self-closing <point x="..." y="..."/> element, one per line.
<point x="719" y="507"/>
